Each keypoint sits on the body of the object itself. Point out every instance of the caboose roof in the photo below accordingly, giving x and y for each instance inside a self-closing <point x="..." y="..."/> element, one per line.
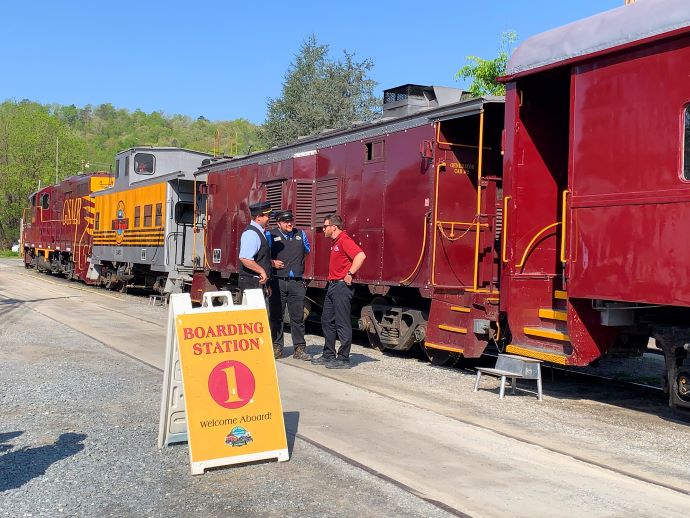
<point x="625" y="26"/>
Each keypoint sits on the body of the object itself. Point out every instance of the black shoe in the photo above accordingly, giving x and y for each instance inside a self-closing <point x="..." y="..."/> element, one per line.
<point x="338" y="364"/>
<point x="322" y="360"/>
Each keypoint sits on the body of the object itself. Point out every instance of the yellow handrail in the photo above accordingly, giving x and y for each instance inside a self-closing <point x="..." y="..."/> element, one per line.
<point x="504" y="230"/>
<point x="563" y="227"/>
<point x="480" y="159"/>
<point x="454" y="144"/>
<point x="433" y="252"/>
<point x="421" y="253"/>
<point x="534" y="239"/>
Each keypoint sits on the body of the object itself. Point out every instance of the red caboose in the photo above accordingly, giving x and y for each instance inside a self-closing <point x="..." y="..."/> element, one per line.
<point x="57" y="229"/>
<point x="597" y="185"/>
<point x="418" y="190"/>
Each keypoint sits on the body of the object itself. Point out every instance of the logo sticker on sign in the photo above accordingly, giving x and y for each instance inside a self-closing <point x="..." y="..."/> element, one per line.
<point x="231" y="398"/>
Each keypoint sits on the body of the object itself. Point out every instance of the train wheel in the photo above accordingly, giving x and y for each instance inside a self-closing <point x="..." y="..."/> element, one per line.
<point x="440" y="357"/>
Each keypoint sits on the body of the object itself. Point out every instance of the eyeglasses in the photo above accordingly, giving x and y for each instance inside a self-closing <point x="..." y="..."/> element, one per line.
<point x="326" y="226"/>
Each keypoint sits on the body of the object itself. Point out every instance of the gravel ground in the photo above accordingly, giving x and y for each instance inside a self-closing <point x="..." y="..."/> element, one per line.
<point x="78" y="438"/>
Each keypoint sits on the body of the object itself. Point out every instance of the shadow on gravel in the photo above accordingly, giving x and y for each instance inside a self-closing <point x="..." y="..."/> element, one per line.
<point x="291" y="428"/>
<point x="5" y="437"/>
<point x="20" y="466"/>
<point x="8" y="305"/>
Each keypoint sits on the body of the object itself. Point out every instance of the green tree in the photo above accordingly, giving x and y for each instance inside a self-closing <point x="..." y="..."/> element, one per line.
<point x="30" y="136"/>
<point x="319" y="93"/>
<point x="484" y="72"/>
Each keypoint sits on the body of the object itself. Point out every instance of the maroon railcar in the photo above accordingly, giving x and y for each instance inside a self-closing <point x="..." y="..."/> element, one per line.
<point x="57" y="227"/>
<point x="418" y="190"/>
<point x="597" y="190"/>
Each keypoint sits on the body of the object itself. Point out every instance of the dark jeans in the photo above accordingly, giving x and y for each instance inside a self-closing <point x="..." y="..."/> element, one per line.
<point x="336" y="320"/>
<point x="291" y="292"/>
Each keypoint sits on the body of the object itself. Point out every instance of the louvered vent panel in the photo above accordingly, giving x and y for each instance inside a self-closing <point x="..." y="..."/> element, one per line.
<point x="327" y="196"/>
<point x="304" y="204"/>
<point x="274" y="195"/>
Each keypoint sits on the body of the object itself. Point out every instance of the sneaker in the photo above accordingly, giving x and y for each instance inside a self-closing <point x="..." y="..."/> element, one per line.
<point x="322" y="360"/>
<point x="338" y="364"/>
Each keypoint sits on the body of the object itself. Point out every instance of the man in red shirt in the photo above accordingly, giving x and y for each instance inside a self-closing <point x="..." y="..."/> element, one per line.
<point x="346" y="258"/>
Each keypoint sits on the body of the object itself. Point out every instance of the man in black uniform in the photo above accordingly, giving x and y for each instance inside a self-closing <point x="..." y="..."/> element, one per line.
<point x="289" y="246"/>
<point x="254" y="253"/>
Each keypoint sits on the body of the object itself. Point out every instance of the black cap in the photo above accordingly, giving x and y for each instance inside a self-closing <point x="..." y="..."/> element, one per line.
<point x="257" y="209"/>
<point x="284" y="215"/>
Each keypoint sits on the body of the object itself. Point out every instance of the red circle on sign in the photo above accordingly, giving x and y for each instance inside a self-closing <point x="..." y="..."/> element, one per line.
<point x="231" y="384"/>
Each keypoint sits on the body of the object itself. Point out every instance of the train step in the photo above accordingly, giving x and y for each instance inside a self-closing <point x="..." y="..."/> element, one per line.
<point x="538" y="354"/>
<point x="560" y="295"/>
<point x="545" y="332"/>
<point x="553" y="314"/>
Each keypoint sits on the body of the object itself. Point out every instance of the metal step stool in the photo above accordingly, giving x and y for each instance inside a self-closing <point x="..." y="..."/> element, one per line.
<point x="158" y="300"/>
<point x="513" y="367"/>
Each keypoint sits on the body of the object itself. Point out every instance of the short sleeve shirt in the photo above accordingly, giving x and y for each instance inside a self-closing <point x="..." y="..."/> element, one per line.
<point x="343" y="250"/>
<point x="250" y="242"/>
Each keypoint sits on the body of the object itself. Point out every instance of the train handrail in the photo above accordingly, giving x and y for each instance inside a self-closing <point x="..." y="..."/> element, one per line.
<point x="504" y="230"/>
<point x="421" y="253"/>
<point x="531" y="243"/>
<point x="564" y="259"/>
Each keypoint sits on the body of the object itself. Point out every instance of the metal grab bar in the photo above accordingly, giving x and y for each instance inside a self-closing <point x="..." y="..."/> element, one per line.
<point x="504" y="230"/>
<point x="421" y="253"/>
<point x="563" y="227"/>
<point x="531" y="243"/>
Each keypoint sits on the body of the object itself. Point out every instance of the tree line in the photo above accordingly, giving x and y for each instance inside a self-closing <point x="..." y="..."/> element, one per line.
<point x="47" y="143"/>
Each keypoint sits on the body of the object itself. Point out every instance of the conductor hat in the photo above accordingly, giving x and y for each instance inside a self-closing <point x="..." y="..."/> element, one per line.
<point x="261" y="208"/>
<point x="284" y="215"/>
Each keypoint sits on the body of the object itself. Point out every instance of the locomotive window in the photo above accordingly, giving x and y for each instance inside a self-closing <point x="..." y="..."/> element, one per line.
<point x="144" y="163"/>
<point x="33" y="200"/>
<point x="97" y="221"/>
<point x="127" y="166"/>
<point x="148" y="209"/>
<point x="45" y="201"/>
<point x="117" y="168"/>
<point x="159" y="214"/>
<point x="686" y="143"/>
<point x="184" y="213"/>
<point x="137" y="216"/>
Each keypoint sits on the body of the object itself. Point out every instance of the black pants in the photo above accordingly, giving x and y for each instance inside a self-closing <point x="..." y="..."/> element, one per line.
<point x="246" y="282"/>
<point x="336" y="320"/>
<point x="291" y="292"/>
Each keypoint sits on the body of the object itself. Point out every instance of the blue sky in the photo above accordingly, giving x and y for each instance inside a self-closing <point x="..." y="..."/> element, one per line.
<point x="223" y="60"/>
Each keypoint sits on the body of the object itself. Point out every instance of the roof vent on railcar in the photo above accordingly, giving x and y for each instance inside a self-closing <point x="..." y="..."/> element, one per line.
<point x="408" y="99"/>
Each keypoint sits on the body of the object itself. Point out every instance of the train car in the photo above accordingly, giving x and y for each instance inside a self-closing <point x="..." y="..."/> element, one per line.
<point x="597" y="191"/>
<point x="418" y="190"/>
<point x="57" y="227"/>
<point x="144" y="225"/>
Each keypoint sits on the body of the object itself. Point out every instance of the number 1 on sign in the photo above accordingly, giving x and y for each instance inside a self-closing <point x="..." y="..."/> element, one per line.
<point x="231" y="379"/>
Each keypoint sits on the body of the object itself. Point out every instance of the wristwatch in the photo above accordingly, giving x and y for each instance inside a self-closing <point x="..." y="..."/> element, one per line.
<point x="351" y="274"/>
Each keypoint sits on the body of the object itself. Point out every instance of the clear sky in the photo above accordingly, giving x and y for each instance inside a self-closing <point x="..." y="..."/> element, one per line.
<point x="224" y="59"/>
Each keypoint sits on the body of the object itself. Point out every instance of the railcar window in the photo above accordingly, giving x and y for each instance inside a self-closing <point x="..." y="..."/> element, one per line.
<point x="159" y="214"/>
<point x="184" y="213"/>
<point x="137" y="216"/>
<point x="144" y="163"/>
<point x="45" y="201"/>
<point x="117" y="169"/>
<point x="373" y="151"/>
<point x="97" y="221"/>
<point x="686" y="144"/>
<point x="148" y="209"/>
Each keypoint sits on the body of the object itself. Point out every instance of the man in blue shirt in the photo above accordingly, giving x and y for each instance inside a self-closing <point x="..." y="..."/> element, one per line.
<point x="289" y="246"/>
<point x="254" y="253"/>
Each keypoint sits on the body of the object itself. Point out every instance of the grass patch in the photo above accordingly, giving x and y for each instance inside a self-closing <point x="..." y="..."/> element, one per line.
<point x="8" y="253"/>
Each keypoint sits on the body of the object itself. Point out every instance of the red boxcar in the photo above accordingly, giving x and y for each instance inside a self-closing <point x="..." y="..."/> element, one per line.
<point x="57" y="228"/>
<point x="418" y="190"/>
<point x="597" y="190"/>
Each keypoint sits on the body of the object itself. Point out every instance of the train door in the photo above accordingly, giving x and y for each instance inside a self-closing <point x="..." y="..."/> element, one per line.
<point x="536" y="168"/>
<point x="372" y="204"/>
<point x="464" y="202"/>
